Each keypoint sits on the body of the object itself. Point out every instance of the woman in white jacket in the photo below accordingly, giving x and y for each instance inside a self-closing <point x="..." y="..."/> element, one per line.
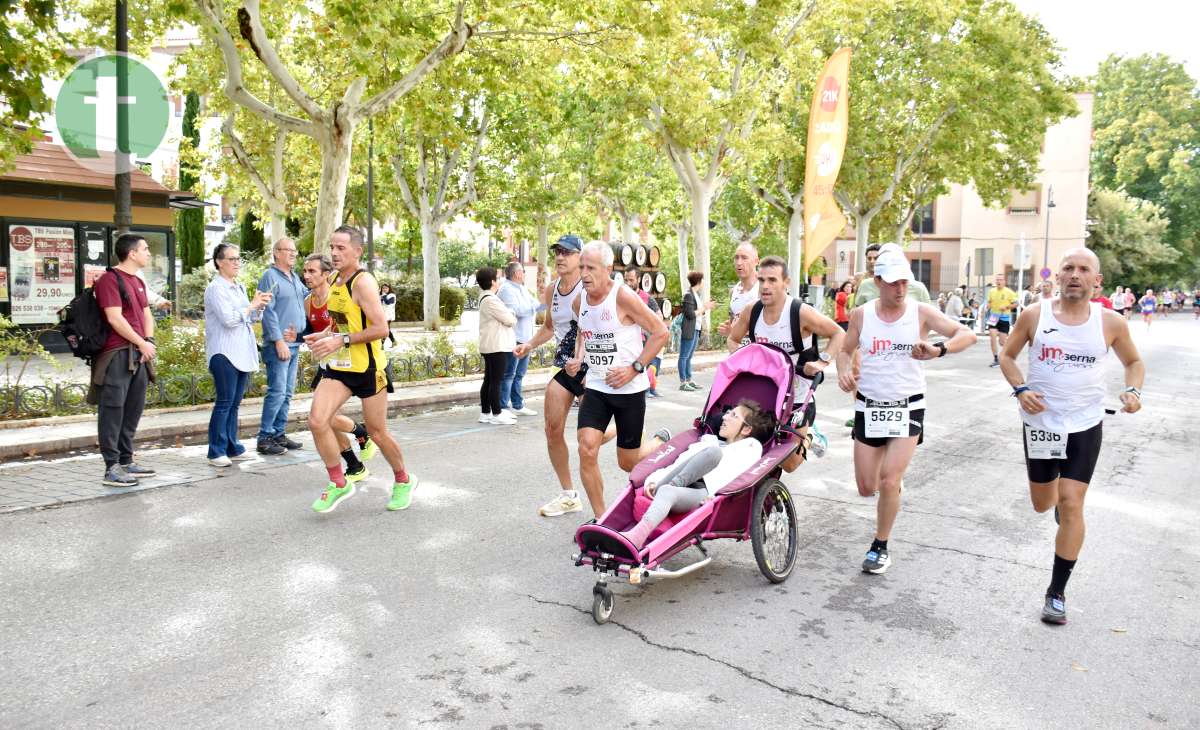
<point x="497" y="338"/>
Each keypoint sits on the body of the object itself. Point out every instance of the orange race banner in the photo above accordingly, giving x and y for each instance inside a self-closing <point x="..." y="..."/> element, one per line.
<point x="827" y="128"/>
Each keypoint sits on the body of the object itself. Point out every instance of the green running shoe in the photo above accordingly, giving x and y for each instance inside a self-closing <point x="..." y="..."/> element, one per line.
<point x="367" y="450"/>
<point x="357" y="476"/>
<point x="332" y="497"/>
<point x="402" y="494"/>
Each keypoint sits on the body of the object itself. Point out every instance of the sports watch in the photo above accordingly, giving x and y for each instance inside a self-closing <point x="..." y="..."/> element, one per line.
<point x="346" y="339"/>
<point x="638" y="367"/>
<point x="825" y="357"/>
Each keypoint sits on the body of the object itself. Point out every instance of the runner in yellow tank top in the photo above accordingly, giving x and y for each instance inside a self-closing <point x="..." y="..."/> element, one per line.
<point x="353" y="355"/>
<point x="349" y="318"/>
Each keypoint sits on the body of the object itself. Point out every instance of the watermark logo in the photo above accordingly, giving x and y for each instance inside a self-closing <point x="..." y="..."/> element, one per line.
<point x="85" y="113"/>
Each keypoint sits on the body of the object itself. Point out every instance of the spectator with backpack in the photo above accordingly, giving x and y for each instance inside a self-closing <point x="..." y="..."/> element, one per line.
<point x="125" y="364"/>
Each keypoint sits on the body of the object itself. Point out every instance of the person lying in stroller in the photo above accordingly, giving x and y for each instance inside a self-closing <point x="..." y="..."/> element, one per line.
<point x="705" y="467"/>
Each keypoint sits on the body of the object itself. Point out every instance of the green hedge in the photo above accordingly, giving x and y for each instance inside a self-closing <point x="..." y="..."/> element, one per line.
<point x="410" y="301"/>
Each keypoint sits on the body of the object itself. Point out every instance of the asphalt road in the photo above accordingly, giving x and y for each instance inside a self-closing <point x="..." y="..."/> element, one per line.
<point x="227" y="603"/>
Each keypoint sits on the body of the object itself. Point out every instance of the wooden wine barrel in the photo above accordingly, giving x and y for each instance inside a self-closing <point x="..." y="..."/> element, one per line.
<point x="665" y="306"/>
<point x="640" y="254"/>
<point x="660" y="282"/>
<point x="648" y="282"/>
<point x="653" y="257"/>
<point x="622" y="254"/>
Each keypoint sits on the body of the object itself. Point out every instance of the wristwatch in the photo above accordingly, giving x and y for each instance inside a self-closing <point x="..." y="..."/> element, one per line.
<point x="825" y="357"/>
<point x="941" y="346"/>
<point x="638" y="367"/>
<point x="346" y="340"/>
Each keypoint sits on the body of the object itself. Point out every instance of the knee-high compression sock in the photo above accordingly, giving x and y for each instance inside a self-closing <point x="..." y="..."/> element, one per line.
<point x="352" y="462"/>
<point x="1060" y="575"/>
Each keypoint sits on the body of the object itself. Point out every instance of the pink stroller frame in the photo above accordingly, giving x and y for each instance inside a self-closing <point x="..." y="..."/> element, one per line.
<point x="755" y="506"/>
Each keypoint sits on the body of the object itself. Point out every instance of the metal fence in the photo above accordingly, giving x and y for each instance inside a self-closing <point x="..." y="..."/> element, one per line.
<point x="33" y="401"/>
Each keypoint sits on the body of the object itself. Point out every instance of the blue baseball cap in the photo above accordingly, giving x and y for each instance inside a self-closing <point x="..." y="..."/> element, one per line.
<point x="569" y="242"/>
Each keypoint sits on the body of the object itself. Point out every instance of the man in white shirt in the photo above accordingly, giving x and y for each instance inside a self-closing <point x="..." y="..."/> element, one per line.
<point x="523" y="304"/>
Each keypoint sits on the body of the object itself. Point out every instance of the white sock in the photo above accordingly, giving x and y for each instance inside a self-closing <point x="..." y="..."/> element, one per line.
<point x="570" y="494"/>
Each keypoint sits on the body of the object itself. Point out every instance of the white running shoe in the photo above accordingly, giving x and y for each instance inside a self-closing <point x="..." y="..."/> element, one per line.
<point x="522" y="411"/>
<point x="504" y="419"/>
<point x="485" y="418"/>
<point x="561" y="505"/>
<point x="221" y="461"/>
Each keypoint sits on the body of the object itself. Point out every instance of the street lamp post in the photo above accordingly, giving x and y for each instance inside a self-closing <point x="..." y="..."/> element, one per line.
<point x="1046" y="248"/>
<point x="122" y="158"/>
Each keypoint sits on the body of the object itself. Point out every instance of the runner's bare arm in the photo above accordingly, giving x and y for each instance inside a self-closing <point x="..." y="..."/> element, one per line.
<point x="822" y="326"/>
<point x="958" y="337"/>
<point x="1021" y="335"/>
<point x="545" y="333"/>
<point x="1116" y="331"/>
<point x="847" y="379"/>
<point x="631" y="310"/>
<point x="631" y="305"/>
<point x="366" y="296"/>
<point x="739" y="329"/>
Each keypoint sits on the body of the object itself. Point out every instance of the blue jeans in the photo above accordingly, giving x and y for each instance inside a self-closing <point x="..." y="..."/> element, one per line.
<point x="510" y="385"/>
<point x="281" y="385"/>
<point x="687" y="348"/>
<point x="223" y="423"/>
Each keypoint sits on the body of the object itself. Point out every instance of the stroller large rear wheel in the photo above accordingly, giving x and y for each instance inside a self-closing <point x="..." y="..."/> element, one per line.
<point x="773" y="530"/>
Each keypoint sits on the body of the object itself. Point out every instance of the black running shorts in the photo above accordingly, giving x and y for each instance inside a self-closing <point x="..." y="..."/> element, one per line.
<point x="361" y="385"/>
<point x="916" y="424"/>
<point x="629" y="410"/>
<point x="1001" y="326"/>
<point x="573" y="385"/>
<point x="1083" y="449"/>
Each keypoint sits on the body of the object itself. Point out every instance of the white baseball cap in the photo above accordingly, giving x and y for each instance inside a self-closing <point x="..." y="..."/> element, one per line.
<point x="892" y="265"/>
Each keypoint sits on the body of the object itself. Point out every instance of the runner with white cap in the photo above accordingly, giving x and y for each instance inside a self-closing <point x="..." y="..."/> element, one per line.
<point x="889" y="335"/>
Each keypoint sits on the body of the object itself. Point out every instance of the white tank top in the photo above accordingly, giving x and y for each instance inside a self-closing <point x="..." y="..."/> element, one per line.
<point x="780" y="333"/>
<point x="739" y="299"/>
<point x="889" y="373"/>
<point x="607" y="343"/>
<point x="562" y="312"/>
<point x="1065" y="367"/>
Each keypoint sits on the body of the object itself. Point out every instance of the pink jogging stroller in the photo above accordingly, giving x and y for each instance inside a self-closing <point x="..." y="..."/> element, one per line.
<point x="755" y="506"/>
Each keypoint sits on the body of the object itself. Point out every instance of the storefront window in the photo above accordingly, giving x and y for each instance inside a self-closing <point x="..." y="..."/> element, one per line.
<point x="158" y="273"/>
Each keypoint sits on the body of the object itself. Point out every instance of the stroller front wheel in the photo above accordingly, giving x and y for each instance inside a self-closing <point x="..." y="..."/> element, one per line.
<point x="773" y="530"/>
<point x="602" y="604"/>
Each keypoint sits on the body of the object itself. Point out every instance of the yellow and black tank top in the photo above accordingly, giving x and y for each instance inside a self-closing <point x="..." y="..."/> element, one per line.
<point x="348" y="317"/>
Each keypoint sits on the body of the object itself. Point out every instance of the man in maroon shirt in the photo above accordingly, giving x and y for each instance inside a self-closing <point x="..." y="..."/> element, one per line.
<point x="123" y="369"/>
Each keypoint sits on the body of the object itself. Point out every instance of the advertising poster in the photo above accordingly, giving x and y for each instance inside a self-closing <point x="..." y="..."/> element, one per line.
<point x="41" y="262"/>
<point x="3" y="285"/>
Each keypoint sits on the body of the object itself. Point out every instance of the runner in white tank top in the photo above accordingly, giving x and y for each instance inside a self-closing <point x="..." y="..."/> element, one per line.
<point x="558" y="301"/>
<point x="745" y="292"/>
<point x="611" y="320"/>
<point x="609" y="344"/>
<point x="889" y="334"/>
<point x="773" y="324"/>
<point x="1062" y="403"/>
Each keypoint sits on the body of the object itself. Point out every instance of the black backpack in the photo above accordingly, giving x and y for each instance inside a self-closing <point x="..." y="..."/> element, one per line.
<point x="83" y="324"/>
<point x="804" y="354"/>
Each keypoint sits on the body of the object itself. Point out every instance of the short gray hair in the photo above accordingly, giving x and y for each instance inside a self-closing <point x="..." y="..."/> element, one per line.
<point x="511" y="268"/>
<point x="275" y="246"/>
<point x="603" y="249"/>
<point x="356" y="236"/>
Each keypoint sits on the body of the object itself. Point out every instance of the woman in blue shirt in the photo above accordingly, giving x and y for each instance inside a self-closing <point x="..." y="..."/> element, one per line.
<point x="229" y="317"/>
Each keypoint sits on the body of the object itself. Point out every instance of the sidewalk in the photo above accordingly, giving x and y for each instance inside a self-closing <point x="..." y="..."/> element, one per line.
<point x="74" y="477"/>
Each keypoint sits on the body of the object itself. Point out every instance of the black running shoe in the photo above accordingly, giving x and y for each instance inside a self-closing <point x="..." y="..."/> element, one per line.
<point x="1055" y="609"/>
<point x="287" y="443"/>
<point x="877" y="561"/>
<point x="270" y="448"/>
